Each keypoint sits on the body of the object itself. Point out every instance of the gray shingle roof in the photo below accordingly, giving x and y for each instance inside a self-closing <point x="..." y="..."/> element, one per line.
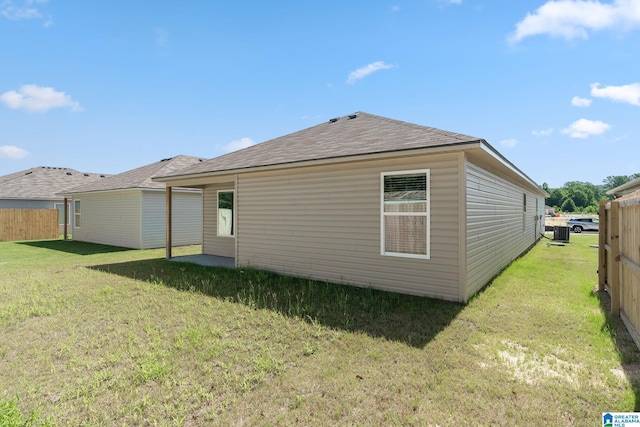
<point x="139" y="177"/>
<point x="43" y="182"/>
<point x="353" y="135"/>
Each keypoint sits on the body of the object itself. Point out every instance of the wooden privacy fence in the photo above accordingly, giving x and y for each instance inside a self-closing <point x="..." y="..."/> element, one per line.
<point x="28" y="224"/>
<point x="619" y="259"/>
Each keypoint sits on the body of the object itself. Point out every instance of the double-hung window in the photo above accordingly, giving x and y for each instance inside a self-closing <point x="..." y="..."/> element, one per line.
<point x="77" y="211"/>
<point x="60" y="208"/>
<point x="524" y="212"/>
<point x="405" y="205"/>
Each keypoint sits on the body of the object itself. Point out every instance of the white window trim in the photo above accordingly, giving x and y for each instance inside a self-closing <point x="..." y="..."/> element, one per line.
<point x="55" y="206"/>
<point x="76" y="214"/>
<point x="233" y="219"/>
<point x="426" y="214"/>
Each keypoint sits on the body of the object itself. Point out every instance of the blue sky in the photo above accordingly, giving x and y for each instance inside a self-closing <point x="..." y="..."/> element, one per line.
<point x="108" y="86"/>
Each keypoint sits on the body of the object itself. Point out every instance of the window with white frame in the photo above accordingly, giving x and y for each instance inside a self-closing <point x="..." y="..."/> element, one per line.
<point x="405" y="207"/>
<point x="76" y="213"/>
<point x="524" y="212"/>
<point x="225" y="213"/>
<point x="60" y="207"/>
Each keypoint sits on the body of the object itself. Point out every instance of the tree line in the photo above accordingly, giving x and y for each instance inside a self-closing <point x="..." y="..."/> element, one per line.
<point x="583" y="197"/>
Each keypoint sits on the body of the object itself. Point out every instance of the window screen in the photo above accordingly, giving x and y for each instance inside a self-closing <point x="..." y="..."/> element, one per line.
<point x="405" y="213"/>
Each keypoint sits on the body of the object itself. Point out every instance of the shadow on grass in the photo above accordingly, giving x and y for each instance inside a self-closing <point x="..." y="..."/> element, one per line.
<point x="625" y="345"/>
<point x="412" y="320"/>
<point x="74" y="247"/>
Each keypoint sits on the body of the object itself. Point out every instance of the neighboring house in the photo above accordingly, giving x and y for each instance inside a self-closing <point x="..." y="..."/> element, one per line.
<point x="369" y="201"/>
<point x="37" y="188"/>
<point x="625" y="189"/>
<point x="128" y="209"/>
<point x="549" y="211"/>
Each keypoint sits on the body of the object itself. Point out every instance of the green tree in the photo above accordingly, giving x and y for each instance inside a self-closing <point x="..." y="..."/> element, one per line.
<point x="615" y="181"/>
<point x="568" y="205"/>
<point x="556" y="198"/>
<point x="580" y="198"/>
<point x="546" y="188"/>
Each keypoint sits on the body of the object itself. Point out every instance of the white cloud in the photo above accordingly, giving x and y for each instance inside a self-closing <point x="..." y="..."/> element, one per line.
<point x="584" y="128"/>
<point x="510" y="143"/>
<point x="363" y="72"/>
<point x="620" y="138"/>
<point x="629" y="94"/>
<point x="16" y="10"/>
<point x="543" y="132"/>
<point x="572" y="19"/>
<point x="238" y="144"/>
<point x="576" y="101"/>
<point x="36" y="98"/>
<point x="12" y="152"/>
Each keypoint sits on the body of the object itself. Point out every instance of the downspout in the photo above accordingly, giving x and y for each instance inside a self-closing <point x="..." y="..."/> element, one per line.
<point x="235" y="221"/>
<point x="462" y="228"/>
<point x="168" y="219"/>
<point x="64" y="219"/>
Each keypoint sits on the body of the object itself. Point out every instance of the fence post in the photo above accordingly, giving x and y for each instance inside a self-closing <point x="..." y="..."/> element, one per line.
<point x="602" y="242"/>
<point x="615" y="258"/>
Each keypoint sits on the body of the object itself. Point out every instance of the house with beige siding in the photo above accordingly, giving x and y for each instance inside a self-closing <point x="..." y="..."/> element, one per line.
<point x="128" y="209"/>
<point x="37" y="188"/>
<point x="368" y="201"/>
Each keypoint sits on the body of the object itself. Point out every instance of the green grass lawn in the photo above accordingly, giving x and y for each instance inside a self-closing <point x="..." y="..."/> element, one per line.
<point x="98" y="336"/>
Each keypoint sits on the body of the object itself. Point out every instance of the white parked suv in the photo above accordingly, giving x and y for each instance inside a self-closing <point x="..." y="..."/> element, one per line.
<point x="577" y="225"/>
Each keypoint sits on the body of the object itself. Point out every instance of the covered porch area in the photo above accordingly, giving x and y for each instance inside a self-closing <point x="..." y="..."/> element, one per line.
<point x="218" y="238"/>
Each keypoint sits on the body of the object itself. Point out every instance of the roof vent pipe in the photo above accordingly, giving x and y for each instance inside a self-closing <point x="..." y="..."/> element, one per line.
<point x="353" y="116"/>
<point x="335" y="119"/>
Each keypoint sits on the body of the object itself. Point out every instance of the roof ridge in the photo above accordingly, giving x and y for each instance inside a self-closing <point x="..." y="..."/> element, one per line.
<point x="456" y="135"/>
<point x="351" y="135"/>
<point x="139" y="177"/>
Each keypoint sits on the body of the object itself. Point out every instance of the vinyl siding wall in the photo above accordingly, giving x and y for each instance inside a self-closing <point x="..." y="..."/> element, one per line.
<point x="211" y="243"/>
<point x="497" y="229"/>
<point x="324" y="223"/>
<point x="186" y="219"/>
<point x="109" y="218"/>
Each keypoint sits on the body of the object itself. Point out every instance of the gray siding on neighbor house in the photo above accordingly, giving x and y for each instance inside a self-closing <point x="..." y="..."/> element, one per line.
<point x="109" y="218"/>
<point x="323" y="222"/>
<point x="211" y="243"/>
<point x="186" y="218"/>
<point x="498" y="231"/>
<point x="36" y="204"/>
<point x="27" y="204"/>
